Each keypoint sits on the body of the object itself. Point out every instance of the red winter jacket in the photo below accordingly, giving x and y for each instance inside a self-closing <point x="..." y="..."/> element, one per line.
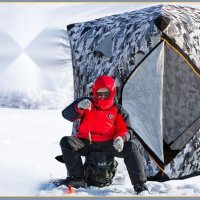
<point x="103" y="125"/>
<point x="105" y="121"/>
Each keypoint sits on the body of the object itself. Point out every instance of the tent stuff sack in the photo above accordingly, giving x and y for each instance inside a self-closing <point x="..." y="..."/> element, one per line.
<point x="99" y="169"/>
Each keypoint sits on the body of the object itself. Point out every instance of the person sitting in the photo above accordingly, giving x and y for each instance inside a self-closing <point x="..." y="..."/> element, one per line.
<point x="104" y="127"/>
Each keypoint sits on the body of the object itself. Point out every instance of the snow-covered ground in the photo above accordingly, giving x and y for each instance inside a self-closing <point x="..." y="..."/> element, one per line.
<point x="30" y="141"/>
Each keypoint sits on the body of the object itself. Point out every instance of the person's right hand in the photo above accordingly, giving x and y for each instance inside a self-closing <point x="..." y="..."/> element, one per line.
<point x="84" y="104"/>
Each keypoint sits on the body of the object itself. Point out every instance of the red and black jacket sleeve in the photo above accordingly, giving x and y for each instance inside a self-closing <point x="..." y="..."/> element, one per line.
<point x="72" y="112"/>
<point x="123" y="115"/>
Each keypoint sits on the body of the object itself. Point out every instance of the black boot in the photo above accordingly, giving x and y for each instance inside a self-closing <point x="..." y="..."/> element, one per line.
<point x="140" y="187"/>
<point x="76" y="182"/>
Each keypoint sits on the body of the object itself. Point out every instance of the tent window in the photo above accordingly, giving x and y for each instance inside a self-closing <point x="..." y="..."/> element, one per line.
<point x="181" y="100"/>
<point x="105" y="47"/>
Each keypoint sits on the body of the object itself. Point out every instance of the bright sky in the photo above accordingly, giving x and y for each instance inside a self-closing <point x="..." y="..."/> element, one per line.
<point x="24" y="32"/>
<point x="23" y="21"/>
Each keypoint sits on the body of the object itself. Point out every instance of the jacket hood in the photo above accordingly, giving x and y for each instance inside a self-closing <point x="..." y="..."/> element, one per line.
<point x="104" y="82"/>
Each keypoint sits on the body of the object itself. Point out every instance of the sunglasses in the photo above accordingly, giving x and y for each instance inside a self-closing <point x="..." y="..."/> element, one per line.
<point x="103" y="95"/>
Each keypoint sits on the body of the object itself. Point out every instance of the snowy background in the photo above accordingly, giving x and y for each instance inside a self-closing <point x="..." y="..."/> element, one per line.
<point x="36" y="83"/>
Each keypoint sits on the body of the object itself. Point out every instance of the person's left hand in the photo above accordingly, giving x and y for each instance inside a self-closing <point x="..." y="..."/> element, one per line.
<point x="118" y="143"/>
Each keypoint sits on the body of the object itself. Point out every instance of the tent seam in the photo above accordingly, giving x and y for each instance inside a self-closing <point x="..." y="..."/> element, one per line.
<point x="198" y="74"/>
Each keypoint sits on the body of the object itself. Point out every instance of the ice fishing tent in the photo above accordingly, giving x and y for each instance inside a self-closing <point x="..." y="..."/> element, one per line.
<point x="154" y="55"/>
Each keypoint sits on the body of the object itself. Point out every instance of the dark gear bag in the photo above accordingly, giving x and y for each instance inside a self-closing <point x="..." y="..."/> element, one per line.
<point x="99" y="169"/>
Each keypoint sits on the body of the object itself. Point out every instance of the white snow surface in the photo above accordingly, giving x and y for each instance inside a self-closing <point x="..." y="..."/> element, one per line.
<point x="30" y="141"/>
